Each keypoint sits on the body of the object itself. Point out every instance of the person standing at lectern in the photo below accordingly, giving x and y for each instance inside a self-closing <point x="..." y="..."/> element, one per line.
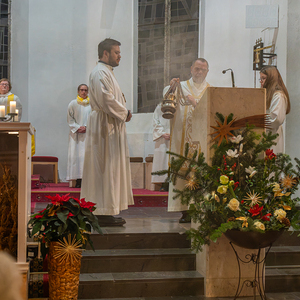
<point x="277" y="103"/>
<point x="6" y="97"/>
<point x="181" y="125"/>
<point x="106" y="171"/>
<point x="79" y="110"/>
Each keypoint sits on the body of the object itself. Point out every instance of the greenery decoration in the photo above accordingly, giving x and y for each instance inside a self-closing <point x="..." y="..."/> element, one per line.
<point x="9" y="211"/>
<point x="246" y="187"/>
<point x="63" y="217"/>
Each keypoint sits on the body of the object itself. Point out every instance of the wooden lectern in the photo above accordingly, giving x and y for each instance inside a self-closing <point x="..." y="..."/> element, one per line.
<point x="15" y="151"/>
<point x="217" y="262"/>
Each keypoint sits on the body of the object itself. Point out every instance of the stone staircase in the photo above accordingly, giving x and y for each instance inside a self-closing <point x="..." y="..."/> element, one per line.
<point x="139" y="265"/>
<point x="146" y="265"/>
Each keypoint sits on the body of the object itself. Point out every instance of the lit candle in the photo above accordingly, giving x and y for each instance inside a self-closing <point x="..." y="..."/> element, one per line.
<point x="17" y="116"/>
<point x="12" y="107"/>
<point x="2" y="111"/>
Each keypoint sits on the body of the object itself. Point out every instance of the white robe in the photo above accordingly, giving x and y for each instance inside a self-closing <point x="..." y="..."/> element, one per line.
<point x="181" y="129"/>
<point x="77" y="116"/>
<point x="3" y="101"/>
<point x="161" y="158"/>
<point x="277" y="114"/>
<point x="106" y="176"/>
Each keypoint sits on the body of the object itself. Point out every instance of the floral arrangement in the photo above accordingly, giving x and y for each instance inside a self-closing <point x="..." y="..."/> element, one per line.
<point x="62" y="218"/>
<point x="246" y="187"/>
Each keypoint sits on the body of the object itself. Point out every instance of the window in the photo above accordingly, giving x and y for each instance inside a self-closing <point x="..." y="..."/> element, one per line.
<point x="4" y="39"/>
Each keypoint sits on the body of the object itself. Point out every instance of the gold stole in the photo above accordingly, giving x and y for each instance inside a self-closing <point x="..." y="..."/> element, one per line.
<point x="9" y="98"/>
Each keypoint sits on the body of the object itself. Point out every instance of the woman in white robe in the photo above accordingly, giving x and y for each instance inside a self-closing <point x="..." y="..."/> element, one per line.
<point x="277" y="103"/>
<point x="161" y="137"/>
<point x="77" y="117"/>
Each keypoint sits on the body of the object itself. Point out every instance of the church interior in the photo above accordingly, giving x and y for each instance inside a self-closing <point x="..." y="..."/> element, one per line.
<point x="49" y="47"/>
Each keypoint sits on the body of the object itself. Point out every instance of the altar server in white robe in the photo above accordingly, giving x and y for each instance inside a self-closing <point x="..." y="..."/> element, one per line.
<point x="77" y="117"/>
<point x="161" y="137"/>
<point x="277" y="103"/>
<point x="6" y="96"/>
<point x="181" y="125"/>
<point x="106" y="172"/>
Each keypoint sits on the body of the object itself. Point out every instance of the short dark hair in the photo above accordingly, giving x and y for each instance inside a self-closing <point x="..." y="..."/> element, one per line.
<point x="106" y="45"/>
<point x="80" y="85"/>
<point x="202" y="60"/>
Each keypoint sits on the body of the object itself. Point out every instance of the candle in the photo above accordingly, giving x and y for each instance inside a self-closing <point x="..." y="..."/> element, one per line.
<point x="2" y="111"/>
<point x="12" y="107"/>
<point x="17" y="116"/>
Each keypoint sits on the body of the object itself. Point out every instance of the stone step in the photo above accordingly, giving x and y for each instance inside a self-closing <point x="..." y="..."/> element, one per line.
<point x="283" y="255"/>
<point x="283" y="279"/>
<point x="140" y="284"/>
<point x="138" y="260"/>
<point x="140" y="241"/>
<point x="288" y="238"/>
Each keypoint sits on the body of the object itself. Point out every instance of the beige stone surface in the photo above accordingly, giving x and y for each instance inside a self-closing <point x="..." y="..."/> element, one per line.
<point x="148" y="184"/>
<point x="218" y="262"/>
<point x="137" y="175"/>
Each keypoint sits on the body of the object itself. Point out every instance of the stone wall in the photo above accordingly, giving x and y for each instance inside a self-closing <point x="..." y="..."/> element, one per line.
<point x="184" y="46"/>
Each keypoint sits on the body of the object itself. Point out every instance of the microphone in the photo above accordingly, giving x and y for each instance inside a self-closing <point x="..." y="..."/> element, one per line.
<point x="232" y="76"/>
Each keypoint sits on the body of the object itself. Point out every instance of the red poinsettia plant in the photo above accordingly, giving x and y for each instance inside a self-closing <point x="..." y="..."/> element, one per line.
<point x="62" y="217"/>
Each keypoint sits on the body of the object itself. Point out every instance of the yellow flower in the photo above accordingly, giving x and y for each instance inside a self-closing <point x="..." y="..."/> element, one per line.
<point x="234" y="204"/>
<point x="231" y="182"/>
<point x="224" y="179"/>
<point x="222" y="189"/>
<point x="244" y="219"/>
<point x="259" y="225"/>
<point x="280" y="214"/>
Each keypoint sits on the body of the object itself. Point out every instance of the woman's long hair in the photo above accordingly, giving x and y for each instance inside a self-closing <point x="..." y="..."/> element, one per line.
<point x="273" y="84"/>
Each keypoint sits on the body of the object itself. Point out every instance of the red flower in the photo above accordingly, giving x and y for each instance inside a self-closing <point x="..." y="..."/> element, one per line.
<point x="255" y="210"/>
<point x="38" y="216"/>
<point x="58" y="200"/>
<point x="270" y="154"/>
<point x="70" y="215"/>
<point x="236" y="184"/>
<point x="242" y="201"/>
<point x="266" y="217"/>
<point x="89" y="205"/>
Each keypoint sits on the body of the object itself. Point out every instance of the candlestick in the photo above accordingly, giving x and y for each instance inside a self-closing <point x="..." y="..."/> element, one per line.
<point x="17" y="116"/>
<point x="12" y="107"/>
<point x="2" y="111"/>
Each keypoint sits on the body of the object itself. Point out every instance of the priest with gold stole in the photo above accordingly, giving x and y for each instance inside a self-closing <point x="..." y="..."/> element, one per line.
<point x="181" y="124"/>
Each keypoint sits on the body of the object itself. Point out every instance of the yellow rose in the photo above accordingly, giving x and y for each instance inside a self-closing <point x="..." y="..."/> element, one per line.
<point x="224" y="179"/>
<point x="222" y="189"/>
<point x="259" y="225"/>
<point x="234" y="204"/>
<point x="280" y="214"/>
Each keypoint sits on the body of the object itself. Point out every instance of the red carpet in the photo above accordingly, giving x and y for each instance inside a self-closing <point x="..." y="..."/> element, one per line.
<point x="142" y="197"/>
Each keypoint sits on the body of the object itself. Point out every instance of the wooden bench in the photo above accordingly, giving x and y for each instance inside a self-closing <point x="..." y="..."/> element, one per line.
<point x="46" y="160"/>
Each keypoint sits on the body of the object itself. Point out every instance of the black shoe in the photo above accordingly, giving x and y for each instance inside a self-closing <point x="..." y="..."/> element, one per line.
<point x="78" y="183"/>
<point x="185" y="218"/>
<point x="106" y="221"/>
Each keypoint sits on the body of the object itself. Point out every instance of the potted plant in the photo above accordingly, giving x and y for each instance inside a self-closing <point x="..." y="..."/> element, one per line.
<point x="245" y="188"/>
<point x="64" y="229"/>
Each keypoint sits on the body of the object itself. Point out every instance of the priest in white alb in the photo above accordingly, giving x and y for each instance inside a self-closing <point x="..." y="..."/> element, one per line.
<point x="106" y="172"/>
<point x="181" y="125"/>
<point x="79" y="110"/>
<point x="161" y="137"/>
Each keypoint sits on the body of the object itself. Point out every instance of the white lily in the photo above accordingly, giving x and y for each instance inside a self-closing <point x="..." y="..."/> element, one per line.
<point x="236" y="139"/>
<point x="232" y="153"/>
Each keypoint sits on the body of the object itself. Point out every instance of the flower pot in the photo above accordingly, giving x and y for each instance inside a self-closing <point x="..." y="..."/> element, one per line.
<point x="63" y="275"/>
<point x="253" y="239"/>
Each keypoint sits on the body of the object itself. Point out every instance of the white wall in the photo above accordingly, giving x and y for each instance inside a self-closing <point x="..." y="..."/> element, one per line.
<point x="58" y="40"/>
<point x="227" y="43"/>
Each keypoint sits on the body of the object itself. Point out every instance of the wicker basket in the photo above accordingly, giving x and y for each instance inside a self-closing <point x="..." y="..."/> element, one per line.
<point x="63" y="276"/>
